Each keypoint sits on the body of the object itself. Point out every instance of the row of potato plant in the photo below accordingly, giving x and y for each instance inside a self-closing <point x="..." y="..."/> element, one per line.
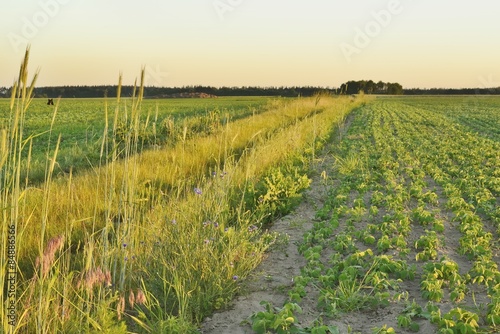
<point x="463" y="164"/>
<point x="402" y="181"/>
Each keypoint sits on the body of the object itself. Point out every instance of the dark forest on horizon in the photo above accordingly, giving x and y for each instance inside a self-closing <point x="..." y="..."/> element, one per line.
<point x="348" y="88"/>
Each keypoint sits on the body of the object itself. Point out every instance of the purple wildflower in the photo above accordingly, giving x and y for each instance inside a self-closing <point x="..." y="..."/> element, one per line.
<point x="207" y="241"/>
<point x="197" y="191"/>
<point x="216" y="224"/>
<point x="252" y="228"/>
<point x="235" y="278"/>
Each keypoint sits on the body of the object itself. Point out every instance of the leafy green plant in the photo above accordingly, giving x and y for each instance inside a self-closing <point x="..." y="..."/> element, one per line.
<point x="343" y="243"/>
<point x="493" y="316"/>
<point x="458" y="320"/>
<point x="279" y="320"/>
<point x="428" y="243"/>
<point x="282" y="190"/>
<point x="430" y="197"/>
<point x="422" y="216"/>
<point x="357" y="283"/>
<point x="298" y="291"/>
<point x="384" y="243"/>
<point x="407" y="316"/>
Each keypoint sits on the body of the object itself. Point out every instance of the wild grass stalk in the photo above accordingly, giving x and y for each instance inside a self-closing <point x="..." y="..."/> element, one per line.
<point x="12" y="146"/>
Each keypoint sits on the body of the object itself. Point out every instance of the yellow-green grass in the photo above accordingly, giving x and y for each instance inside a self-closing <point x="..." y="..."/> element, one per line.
<point x="81" y="124"/>
<point x="93" y="195"/>
<point x="152" y="240"/>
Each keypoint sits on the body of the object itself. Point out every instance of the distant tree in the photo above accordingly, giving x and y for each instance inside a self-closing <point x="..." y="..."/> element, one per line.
<point x="394" y="89"/>
<point x="381" y="87"/>
<point x="370" y="87"/>
<point x="4" y="92"/>
<point x="351" y="87"/>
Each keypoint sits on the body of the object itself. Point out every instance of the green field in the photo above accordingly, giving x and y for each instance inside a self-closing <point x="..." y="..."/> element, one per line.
<point x="146" y="215"/>
<point x="408" y="239"/>
<point x="81" y="124"/>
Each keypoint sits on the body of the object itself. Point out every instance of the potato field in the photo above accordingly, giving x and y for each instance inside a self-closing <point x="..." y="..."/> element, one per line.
<point x="407" y="239"/>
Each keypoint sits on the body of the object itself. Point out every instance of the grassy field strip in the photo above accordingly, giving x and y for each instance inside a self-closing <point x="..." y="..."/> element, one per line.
<point x="81" y="124"/>
<point x="170" y="170"/>
<point x="197" y="157"/>
<point x="124" y="248"/>
<point x="407" y="232"/>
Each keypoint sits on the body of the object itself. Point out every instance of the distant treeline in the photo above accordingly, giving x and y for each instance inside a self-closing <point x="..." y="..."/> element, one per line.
<point x="101" y="91"/>
<point x="394" y="88"/>
<point x="453" y="91"/>
<point x="348" y="88"/>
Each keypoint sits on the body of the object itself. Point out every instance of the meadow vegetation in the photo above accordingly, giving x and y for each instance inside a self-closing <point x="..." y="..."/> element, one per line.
<point x="164" y="221"/>
<point x="81" y="123"/>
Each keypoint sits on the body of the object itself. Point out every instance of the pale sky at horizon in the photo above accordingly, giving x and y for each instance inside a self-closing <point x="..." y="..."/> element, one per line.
<point x="253" y="42"/>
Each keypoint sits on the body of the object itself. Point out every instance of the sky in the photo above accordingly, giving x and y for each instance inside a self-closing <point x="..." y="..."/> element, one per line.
<point x="418" y="43"/>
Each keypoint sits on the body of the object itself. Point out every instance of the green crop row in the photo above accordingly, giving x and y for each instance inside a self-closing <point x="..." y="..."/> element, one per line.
<point x="413" y="199"/>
